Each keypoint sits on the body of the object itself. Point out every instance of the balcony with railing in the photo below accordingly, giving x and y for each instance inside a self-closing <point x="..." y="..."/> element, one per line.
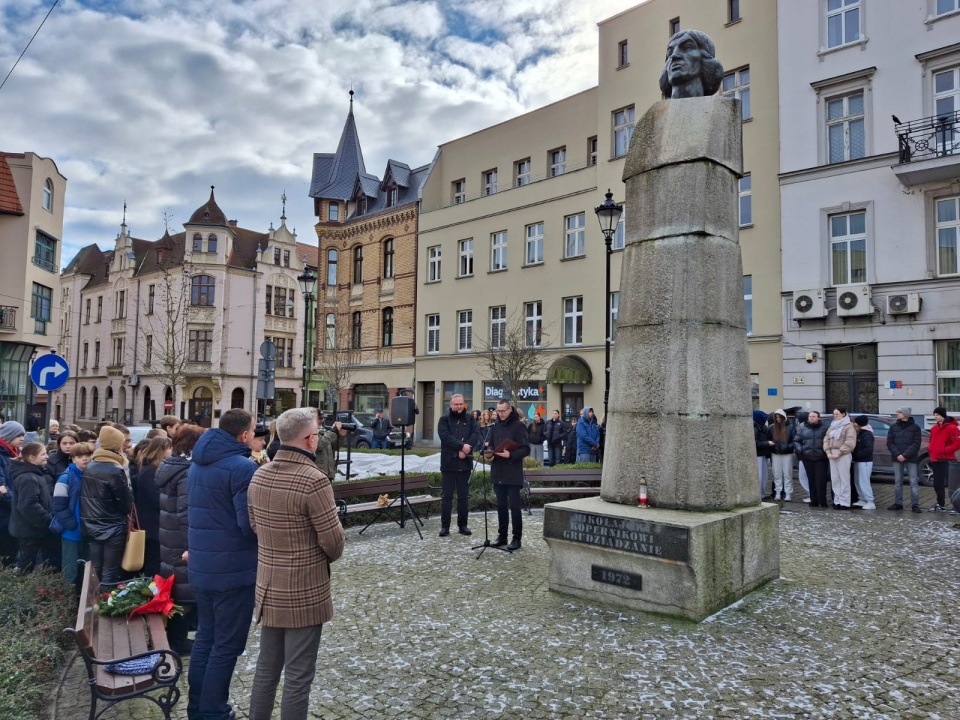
<point x="8" y="318"/>
<point x="929" y="149"/>
<point x="45" y="263"/>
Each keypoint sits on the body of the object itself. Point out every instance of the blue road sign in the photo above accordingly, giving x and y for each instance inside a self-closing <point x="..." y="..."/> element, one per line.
<point x="50" y="372"/>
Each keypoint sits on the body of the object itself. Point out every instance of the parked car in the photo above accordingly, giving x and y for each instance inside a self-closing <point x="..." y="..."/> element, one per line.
<point x="396" y="436"/>
<point x="363" y="437"/>
<point x="882" y="462"/>
<point x="138" y="433"/>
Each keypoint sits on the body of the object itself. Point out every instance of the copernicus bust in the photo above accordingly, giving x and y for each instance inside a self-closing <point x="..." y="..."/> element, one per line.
<point x="690" y="68"/>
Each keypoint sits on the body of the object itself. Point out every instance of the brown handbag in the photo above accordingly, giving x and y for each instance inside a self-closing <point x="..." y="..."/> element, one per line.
<point x="136" y="543"/>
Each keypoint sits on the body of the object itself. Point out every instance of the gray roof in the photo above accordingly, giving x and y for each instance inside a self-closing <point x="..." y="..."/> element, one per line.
<point x="334" y="176"/>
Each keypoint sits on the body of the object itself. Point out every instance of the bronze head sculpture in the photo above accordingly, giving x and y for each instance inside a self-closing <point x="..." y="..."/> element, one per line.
<point x="690" y="68"/>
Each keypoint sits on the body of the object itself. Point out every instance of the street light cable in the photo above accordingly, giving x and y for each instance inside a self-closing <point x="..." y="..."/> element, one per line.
<point x="28" y="44"/>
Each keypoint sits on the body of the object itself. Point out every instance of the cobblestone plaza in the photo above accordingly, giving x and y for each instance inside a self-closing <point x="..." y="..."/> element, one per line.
<point x="861" y="624"/>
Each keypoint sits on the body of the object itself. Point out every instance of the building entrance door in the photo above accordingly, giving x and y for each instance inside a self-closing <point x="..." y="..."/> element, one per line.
<point x="852" y="380"/>
<point x="427" y="414"/>
<point x="572" y="404"/>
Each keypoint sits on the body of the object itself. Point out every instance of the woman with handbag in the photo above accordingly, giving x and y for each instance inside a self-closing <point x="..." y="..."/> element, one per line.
<point x="147" y="498"/>
<point x="105" y="504"/>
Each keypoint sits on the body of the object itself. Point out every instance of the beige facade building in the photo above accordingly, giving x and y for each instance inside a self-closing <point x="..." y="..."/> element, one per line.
<point x="32" y="192"/>
<point x="508" y="233"/>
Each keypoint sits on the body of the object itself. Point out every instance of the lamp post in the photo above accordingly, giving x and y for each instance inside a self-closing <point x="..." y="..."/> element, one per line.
<point x="308" y="282"/>
<point x="608" y="213"/>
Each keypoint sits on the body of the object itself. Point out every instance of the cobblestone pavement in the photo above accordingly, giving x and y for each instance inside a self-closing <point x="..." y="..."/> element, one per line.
<point x="861" y="624"/>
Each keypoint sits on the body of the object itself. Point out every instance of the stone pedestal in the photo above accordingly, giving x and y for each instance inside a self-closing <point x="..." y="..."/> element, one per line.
<point x="680" y="563"/>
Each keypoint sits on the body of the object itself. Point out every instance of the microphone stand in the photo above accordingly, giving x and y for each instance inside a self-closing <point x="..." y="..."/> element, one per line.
<point x="486" y="527"/>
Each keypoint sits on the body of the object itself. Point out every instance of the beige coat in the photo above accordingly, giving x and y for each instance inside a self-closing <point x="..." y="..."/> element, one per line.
<point x="845" y="443"/>
<point x="299" y="534"/>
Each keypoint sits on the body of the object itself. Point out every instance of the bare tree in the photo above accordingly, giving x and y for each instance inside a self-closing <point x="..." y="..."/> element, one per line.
<point x="514" y="355"/>
<point x="336" y="365"/>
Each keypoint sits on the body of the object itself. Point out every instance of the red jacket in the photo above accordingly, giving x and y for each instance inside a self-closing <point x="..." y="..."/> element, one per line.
<point x="944" y="440"/>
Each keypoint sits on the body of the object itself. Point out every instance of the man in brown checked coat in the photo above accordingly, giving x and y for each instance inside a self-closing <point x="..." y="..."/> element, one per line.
<point x="295" y="517"/>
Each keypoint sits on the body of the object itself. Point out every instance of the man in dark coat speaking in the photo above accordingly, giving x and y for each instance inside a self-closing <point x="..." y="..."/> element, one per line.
<point x="506" y="447"/>
<point x="459" y="435"/>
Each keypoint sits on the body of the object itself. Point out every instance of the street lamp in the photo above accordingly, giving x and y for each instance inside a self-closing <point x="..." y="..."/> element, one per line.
<point x="608" y="213"/>
<point x="308" y="283"/>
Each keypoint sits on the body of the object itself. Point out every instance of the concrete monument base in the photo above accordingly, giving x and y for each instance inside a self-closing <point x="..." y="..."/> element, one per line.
<point x="675" y="562"/>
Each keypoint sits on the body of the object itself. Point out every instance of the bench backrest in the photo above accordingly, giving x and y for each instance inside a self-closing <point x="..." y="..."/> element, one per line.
<point x="378" y="487"/>
<point x="587" y="475"/>
<point x="87" y="614"/>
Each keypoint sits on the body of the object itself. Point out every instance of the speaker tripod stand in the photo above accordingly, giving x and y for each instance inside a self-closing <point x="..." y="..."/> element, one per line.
<point x="404" y="502"/>
<point x="486" y="526"/>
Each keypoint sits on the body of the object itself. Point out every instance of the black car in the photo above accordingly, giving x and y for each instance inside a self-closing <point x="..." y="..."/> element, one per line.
<point x="365" y="419"/>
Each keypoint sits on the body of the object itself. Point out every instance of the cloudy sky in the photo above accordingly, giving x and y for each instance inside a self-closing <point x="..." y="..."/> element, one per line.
<point x="152" y="101"/>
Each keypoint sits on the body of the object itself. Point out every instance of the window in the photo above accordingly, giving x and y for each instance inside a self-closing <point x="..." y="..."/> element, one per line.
<point x="99" y="308"/>
<point x="118" y="351"/>
<point x="464" y="330"/>
<point x="331" y="337"/>
<point x="843" y="22"/>
<point x="848" y="248"/>
<point x="746" y="202"/>
<point x="95" y="403"/>
<point x="592" y="150"/>
<point x="948" y="228"/>
<point x="533" y="323"/>
<point x="466" y="257"/>
<point x="574" y="236"/>
<point x="386" y="323"/>
<point x="623" y="54"/>
<point x="388" y="258"/>
<point x="197" y="242"/>
<point x="748" y="301"/>
<point x="276" y="256"/>
<point x="393" y="195"/>
<point x="846" y="139"/>
<point x="120" y="309"/>
<point x="459" y="191"/>
<point x="361" y="204"/>
<point x="534" y="244"/>
<point x="948" y="374"/>
<point x="96" y="354"/>
<point x="522" y="168"/>
<point x="149" y="354"/>
<point x="356" y="330"/>
<point x="83" y="401"/>
<point x="86" y="354"/>
<point x="733" y="10"/>
<point x="286" y="258"/>
<point x="433" y="264"/>
<point x="211" y="243"/>
<point x="498" y="251"/>
<point x="946" y="103"/>
<point x="433" y="334"/>
<point x="573" y="320"/>
<point x="498" y="326"/>
<point x="332" y="268"/>
<point x="947" y="6"/>
<point x="674" y="26"/>
<point x="614" y="314"/>
<point x="48" y="194"/>
<point x="623" y="122"/>
<point x="151" y="298"/>
<point x="202" y="290"/>
<point x="558" y="161"/>
<point x="279" y="302"/>
<point x="200" y="343"/>
<point x="736" y="84"/>
<point x="269" y="309"/>
<point x="45" y="252"/>
<point x="40" y="303"/>
<point x="490" y="182"/>
<point x="333" y="212"/>
<point x="620" y="234"/>
<point x="358" y="265"/>
<point x="86" y="320"/>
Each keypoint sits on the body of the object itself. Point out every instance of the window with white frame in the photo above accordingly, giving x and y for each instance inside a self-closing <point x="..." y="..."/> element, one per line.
<point x="148" y="360"/>
<point x="459" y="191"/>
<point x="331" y="326"/>
<point x="614" y="314"/>
<point x="573" y="320"/>
<point x="466" y="257"/>
<point x="948" y="375"/>
<point x="534" y="244"/>
<point x="623" y="53"/>
<point x="433" y="334"/>
<point x="490" y="182"/>
<point x="746" y="200"/>
<point x="592" y="150"/>
<point x="848" y="248"/>
<point x="946" y="104"/>
<point x="557" y="161"/>
<point x="620" y="234"/>
<point x="846" y="133"/>
<point x="736" y="84"/>
<point x="533" y="323"/>
<point x="464" y="330"/>
<point x="522" y="172"/>
<point x="574" y="236"/>
<point x="388" y="257"/>
<point x="948" y="230"/>
<point x="498" y="251"/>
<point x="843" y="22"/>
<point x="48" y="194"/>
<point x="433" y="264"/>
<point x="623" y="123"/>
<point x="200" y="346"/>
<point x="748" y="301"/>
<point x="333" y="212"/>
<point x="498" y="325"/>
<point x="947" y="6"/>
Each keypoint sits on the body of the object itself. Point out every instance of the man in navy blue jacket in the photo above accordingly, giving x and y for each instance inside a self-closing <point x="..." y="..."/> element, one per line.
<point x="222" y="560"/>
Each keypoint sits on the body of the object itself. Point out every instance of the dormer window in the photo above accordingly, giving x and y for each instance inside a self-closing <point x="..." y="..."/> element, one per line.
<point x="276" y="256"/>
<point x="393" y="195"/>
<point x="333" y="212"/>
<point x="361" y="204"/>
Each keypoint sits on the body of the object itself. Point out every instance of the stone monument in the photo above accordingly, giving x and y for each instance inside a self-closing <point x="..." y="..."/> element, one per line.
<point x="679" y="419"/>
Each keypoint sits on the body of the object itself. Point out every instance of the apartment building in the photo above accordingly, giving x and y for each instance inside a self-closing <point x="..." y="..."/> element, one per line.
<point x="32" y="195"/>
<point x="870" y="200"/>
<point x="508" y="237"/>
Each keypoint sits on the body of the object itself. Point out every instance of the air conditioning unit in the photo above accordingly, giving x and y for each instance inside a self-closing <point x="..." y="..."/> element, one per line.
<point x="133" y="380"/>
<point x="903" y="304"/>
<point x="854" y="300"/>
<point x="808" y="304"/>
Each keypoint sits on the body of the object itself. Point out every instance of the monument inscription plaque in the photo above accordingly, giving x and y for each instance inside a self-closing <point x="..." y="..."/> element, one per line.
<point x="629" y="580"/>
<point x="619" y="533"/>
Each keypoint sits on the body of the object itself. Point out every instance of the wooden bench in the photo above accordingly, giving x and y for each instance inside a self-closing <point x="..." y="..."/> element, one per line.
<point x="563" y="482"/>
<point x="104" y="640"/>
<point x="342" y="491"/>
